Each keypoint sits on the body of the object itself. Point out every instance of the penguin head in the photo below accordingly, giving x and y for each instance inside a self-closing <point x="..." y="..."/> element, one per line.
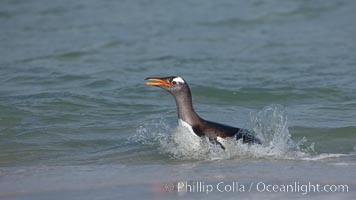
<point x="173" y="84"/>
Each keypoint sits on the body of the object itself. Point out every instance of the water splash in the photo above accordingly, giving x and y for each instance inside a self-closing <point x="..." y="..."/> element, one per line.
<point x="186" y="146"/>
<point x="269" y="125"/>
<point x="152" y="133"/>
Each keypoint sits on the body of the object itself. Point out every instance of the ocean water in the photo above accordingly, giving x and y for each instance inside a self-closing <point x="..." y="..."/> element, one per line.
<point x="78" y="122"/>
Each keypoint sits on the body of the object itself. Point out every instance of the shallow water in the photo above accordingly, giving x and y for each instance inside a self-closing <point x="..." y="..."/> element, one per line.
<point x="77" y="121"/>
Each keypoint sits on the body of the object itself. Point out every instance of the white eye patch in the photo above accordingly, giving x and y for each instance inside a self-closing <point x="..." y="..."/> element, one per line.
<point x="178" y="80"/>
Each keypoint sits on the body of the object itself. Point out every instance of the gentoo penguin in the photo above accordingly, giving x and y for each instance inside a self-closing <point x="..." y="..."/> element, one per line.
<point x="187" y="116"/>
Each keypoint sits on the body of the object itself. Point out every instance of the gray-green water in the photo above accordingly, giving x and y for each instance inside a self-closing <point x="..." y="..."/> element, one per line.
<point x="77" y="121"/>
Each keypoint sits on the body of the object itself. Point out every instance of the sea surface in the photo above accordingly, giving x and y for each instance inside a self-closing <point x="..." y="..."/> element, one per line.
<point x="78" y="122"/>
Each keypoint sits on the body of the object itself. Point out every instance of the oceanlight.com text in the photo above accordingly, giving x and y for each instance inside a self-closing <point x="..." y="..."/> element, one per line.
<point x="303" y="188"/>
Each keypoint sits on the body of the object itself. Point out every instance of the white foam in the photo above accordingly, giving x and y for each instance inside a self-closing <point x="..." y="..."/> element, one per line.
<point x="324" y="156"/>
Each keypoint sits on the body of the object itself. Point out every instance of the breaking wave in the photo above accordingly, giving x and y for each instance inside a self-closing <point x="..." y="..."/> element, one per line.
<point x="269" y="125"/>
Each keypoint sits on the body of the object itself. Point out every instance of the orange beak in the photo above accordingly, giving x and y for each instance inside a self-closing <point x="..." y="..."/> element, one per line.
<point x="157" y="82"/>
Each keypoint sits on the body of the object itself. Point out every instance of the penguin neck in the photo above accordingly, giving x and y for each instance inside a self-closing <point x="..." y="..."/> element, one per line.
<point x="185" y="108"/>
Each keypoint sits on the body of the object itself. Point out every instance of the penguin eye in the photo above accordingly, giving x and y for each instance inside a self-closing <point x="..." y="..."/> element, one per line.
<point x="174" y="82"/>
